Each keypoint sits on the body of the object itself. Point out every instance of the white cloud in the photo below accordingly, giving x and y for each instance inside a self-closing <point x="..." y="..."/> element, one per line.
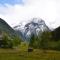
<point x="45" y="9"/>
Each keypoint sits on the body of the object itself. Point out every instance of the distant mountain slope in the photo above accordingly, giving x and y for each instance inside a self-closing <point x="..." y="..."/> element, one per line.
<point x="5" y="27"/>
<point x="33" y="27"/>
<point x="56" y="33"/>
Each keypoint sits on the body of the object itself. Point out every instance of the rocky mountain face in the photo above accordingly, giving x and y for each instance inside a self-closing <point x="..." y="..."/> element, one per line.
<point x="35" y="26"/>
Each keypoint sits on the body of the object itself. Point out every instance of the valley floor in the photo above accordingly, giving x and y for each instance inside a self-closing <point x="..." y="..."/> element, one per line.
<point x="17" y="54"/>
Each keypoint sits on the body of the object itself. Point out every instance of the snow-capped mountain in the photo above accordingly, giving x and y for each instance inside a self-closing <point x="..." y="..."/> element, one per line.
<point x="35" y="26"/>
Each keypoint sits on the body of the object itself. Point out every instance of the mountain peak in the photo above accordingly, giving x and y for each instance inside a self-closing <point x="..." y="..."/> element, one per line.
<point x="37" y="20"/>
<point x="35" y="26"/>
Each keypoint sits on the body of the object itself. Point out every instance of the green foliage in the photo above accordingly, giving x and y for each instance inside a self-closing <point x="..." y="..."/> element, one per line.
<point x="45" y="38"/>
<point x="16" y="41"/>
<point x="9" y="42"/>
<point x="32" y="39"/>
<point x="40" y="41"/>
<point x="5" y="41"/>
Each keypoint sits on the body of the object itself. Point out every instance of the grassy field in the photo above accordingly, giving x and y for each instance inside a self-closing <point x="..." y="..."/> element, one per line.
<point x="16" y="54"/>
<point x="21" y="53"/>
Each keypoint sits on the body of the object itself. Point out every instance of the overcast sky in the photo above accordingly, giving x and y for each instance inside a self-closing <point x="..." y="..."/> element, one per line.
<point x="17" y="11"/>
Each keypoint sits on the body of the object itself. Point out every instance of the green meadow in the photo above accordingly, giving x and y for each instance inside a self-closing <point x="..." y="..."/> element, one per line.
<point x="21" y="53"/>
<point x="15" y="54"/>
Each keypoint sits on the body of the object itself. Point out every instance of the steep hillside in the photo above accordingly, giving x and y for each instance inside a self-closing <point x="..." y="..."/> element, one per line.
<point x="5" y="27"/>
<point x="56" y="34"/>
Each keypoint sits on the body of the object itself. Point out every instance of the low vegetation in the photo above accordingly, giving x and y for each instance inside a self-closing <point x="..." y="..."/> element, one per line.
<point x="23" y="54"/>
